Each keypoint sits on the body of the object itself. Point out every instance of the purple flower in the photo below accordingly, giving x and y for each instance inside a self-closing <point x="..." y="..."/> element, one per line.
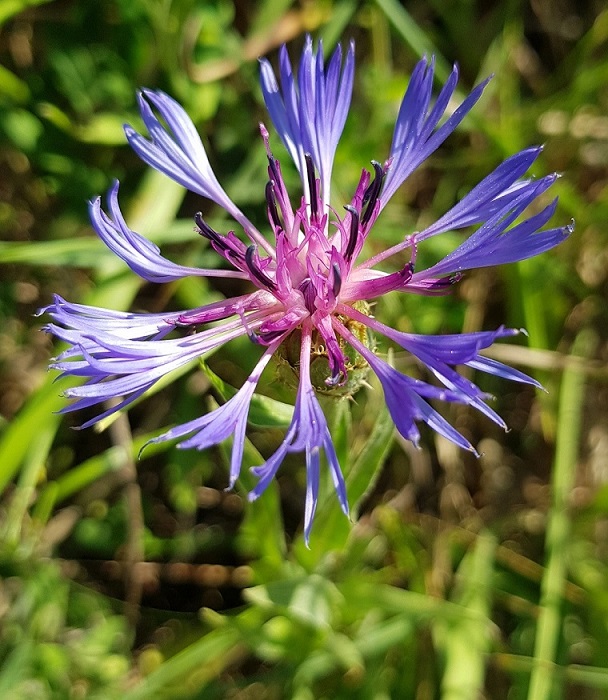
<point x="309" y="278"/>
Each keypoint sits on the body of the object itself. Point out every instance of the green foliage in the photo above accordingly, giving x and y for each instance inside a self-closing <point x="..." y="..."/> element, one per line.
<point x="126" y="570"/>
<point x="57" y="639"/>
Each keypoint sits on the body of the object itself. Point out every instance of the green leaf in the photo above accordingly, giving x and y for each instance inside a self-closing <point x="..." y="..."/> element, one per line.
<point x="262" y="535"/>
<point x="309" y="599"/>
<point x="15" y="442"/>
<point x="367" y="594"/>
<point x="465" y="640"/>
<point x="11" y="86"/>
<point x="192" y="668"/>
<point x="363" y="474"/>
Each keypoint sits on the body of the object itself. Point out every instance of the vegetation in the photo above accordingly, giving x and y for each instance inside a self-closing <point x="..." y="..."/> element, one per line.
<point x="136" y="575"/>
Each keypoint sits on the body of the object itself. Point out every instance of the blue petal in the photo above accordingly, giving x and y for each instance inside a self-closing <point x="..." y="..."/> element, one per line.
<point x="228" y="419"/>
<point x="140" y="254"/>
<point x="307" y="432"/>
<point x="180" y="154"/>
<point x="492" y="194"/>
<point x="309" y="114"/>
<point x="490" y="366"/>
<point x="415" y="137"/>
<point x="117" y="367"/>
<point x="495" y="244"/>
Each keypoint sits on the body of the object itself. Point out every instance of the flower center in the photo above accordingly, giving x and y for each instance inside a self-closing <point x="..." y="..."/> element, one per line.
<point x="288" y="358"/>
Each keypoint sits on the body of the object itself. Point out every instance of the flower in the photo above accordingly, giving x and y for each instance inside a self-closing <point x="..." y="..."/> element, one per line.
<point x="311" y="284"/>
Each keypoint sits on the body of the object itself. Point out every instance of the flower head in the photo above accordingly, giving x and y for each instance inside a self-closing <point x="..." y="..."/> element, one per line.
<point x="310" y="279"/>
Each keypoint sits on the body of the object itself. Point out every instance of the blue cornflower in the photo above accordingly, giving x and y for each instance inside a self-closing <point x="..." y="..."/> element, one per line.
<point x="310" y="284"/>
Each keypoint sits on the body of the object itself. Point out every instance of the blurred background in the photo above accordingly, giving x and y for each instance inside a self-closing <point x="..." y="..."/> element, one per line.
<point x="460" y="578"/>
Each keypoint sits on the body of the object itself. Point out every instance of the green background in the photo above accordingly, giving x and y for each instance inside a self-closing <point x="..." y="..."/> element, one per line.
<point x="459" y="578"/>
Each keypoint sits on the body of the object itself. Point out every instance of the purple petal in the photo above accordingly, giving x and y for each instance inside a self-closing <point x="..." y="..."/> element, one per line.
<point x="120" y="367"/>
<point x="307" y="432"/>
<point x="405" y="397"/>
<point x="309" y="115"/>
<point x="486" y="364"/>
<point x="228" y="419"/>
<point x="495" y="244"/>
<point x="281" y="118"/>
<point x="492" y="194"/>
<point x="180" y="154"/>
<point x="125" y="324"/>
<point x="140" y="254"/>
<point x="415" y="138"/>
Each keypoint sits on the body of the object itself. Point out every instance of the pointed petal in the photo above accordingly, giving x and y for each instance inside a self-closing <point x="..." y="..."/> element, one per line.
<point x="116" y="366"/>
<point x="308" y="432"/>
<point x="179" y="153"/>
<point x="416" y="135"/>
<point x="309" y="114"/>
<point x="140" y="254"/>
<point x="228" y="419"/>
<point x="492" y="194"/>
<point x="405" y="397"/>
<point x="495" y="243"/>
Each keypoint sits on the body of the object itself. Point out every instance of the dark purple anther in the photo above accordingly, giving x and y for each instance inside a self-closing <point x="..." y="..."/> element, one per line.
<point x="273" y="169"/>
<point x="308" y="291"/>
<point x="206" y="231"/>
<point x="271" y="202"/>
<point x="371" y="194"/>
<point x="312" y="185"/>
<point x="255" y="270"/>
<point x="407" y="271"/>
<point x="337" y="281"/>
<point x="354" y="232"/>
<point x="269" y="336"/>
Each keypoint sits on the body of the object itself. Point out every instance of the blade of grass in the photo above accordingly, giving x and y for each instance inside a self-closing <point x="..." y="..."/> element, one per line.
<point x="590" y="676"/>
<point x="542" y="686"/>
<point x="414" y="35"/>
<point x="192" y="668"/>
<point x="16" y="440"/>
<point x="262" y="533"/>
<point x="466" y="640"/>
<point x="26" y="486"/>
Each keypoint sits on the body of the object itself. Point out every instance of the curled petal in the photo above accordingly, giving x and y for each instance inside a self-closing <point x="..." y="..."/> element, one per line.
<point x="179" y="153"/>
<point x="118" y="367"/>
<point x="140" y="254"/>
<point x="91" y="320"/>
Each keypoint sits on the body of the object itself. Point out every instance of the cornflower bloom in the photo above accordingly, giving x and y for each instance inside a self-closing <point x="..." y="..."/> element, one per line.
<point x="311" y="284"/>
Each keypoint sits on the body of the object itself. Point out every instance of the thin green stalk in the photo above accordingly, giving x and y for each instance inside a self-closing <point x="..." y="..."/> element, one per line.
<point x="548" y="629"/>
<point x="413" y="35"/>
<point x="33" y="465"/>
<point x="466" y="641"/>
<point x="194" y="667"/>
